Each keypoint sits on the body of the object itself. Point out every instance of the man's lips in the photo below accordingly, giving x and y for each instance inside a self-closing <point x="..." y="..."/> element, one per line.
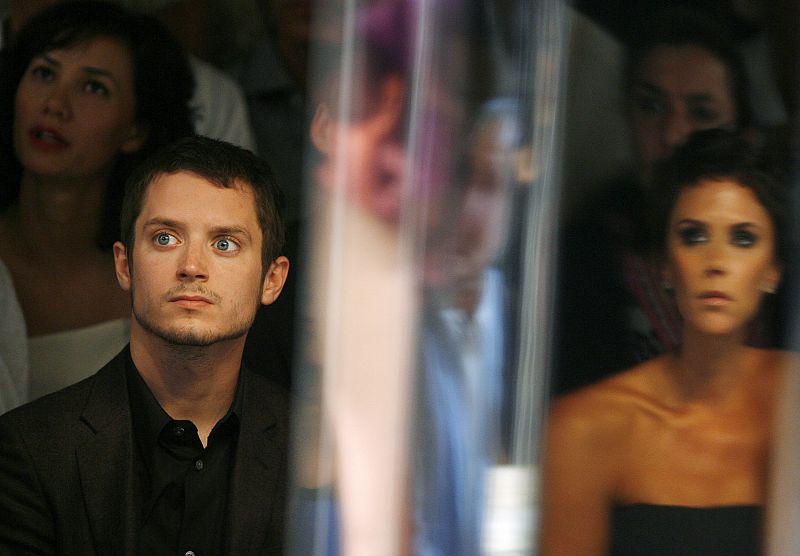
<point x="191" y="301"/>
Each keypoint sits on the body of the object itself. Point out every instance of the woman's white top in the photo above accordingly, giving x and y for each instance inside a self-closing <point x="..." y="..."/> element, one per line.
<point x="63" y="358"/>
<point x="13" y="346"/>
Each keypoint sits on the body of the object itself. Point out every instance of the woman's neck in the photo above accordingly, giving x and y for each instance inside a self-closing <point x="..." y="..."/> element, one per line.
<point x="58" y="216"/>
<point x="708" y="367"/>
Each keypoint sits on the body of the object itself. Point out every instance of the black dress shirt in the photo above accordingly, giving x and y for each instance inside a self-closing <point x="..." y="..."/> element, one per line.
<point x="185" y="485"/>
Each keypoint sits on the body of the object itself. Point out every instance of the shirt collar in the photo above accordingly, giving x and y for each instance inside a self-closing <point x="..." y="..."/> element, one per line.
<point x="149" y="418"/>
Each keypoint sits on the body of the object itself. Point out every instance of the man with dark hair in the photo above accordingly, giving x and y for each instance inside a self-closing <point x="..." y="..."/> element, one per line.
<point x="172" y="447"/>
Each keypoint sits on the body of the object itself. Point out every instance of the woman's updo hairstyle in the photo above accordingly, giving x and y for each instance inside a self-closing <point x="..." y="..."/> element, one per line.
<point x="717" y="154"/>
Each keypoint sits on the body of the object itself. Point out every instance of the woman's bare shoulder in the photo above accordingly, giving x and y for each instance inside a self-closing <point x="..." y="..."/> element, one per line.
<point x="608" y="408"/>
<point x="588" y="443"/>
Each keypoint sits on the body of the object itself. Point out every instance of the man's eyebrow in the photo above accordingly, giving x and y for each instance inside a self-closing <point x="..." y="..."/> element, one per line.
<point x="165" y="222"/>
<point x="230" y="231"/>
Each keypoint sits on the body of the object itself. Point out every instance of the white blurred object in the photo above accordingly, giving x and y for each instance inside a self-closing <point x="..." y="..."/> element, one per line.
<point x="13" y="346"/>
<point x="220" y="108"/>
<point x="510" y="521"/>
<point x="62" y="358"/>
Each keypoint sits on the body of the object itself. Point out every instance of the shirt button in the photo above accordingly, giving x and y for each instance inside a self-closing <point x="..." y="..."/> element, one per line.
<point x="189" y="553"/>
<point x="198" y="465"/>
<point x="178" y="431"/>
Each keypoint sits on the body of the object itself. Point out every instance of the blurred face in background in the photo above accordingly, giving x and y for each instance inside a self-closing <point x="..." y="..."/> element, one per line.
<point x="74" y="110"/>
<point x="474" y="227"/>
<point x="721" y="256"/>
<point x="365" y="154"/>
<point x="677" y="90"/>
<point x="484" y="212"/>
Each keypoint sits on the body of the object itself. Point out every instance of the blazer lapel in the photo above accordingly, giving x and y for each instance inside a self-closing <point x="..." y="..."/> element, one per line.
<point x="256" y="501"/>
<point x="106" y="463"/>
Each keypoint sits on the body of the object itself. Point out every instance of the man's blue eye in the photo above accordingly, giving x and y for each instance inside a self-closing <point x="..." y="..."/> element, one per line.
<point x="226" y="245"/>
<point x="164" y="239"/>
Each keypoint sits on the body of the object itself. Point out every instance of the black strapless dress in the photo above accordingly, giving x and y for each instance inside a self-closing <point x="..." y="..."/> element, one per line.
<point x="680" y="530"/>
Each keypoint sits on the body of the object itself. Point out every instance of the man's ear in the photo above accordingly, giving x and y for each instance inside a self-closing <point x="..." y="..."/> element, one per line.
<point x="322" y="129"/>
<point x="274" y="280"/>
<point x="122" y="266"/>
<point x="136" y="138"/>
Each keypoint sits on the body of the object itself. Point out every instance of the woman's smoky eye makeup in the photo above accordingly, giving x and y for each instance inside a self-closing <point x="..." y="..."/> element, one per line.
<point x="693" y="233"/>
<point x="743" y="237"/>
<point x="690" y="233"/>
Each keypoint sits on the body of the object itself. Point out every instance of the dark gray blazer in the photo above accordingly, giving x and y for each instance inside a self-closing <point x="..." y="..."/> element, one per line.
<point x="69" y="485"/>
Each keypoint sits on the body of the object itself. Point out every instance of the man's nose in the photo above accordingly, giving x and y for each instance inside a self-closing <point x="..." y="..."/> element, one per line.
<point x="193" y="263"/>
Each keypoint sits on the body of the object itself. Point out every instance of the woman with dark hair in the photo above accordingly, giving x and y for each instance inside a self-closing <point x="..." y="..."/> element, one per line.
<point x="90" y="90"/>
<point x="682" y="75"/>
<point x="672" y="455"/>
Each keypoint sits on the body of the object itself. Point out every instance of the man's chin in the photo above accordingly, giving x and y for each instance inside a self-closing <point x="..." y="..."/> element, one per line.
<point x="191" y="336"/>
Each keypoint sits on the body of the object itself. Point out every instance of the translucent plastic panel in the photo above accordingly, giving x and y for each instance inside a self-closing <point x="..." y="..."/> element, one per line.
<point x="433" y="190"/>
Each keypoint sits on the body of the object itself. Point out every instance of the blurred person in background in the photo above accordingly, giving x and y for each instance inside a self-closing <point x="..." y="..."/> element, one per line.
<point x="90" y="90"/>
<point x="373" y="181"/>
<point x="672" y="456"/>
<point x="683" y="75"/>
<point x="464" y="342"/>
<point x="218" y="105"/>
